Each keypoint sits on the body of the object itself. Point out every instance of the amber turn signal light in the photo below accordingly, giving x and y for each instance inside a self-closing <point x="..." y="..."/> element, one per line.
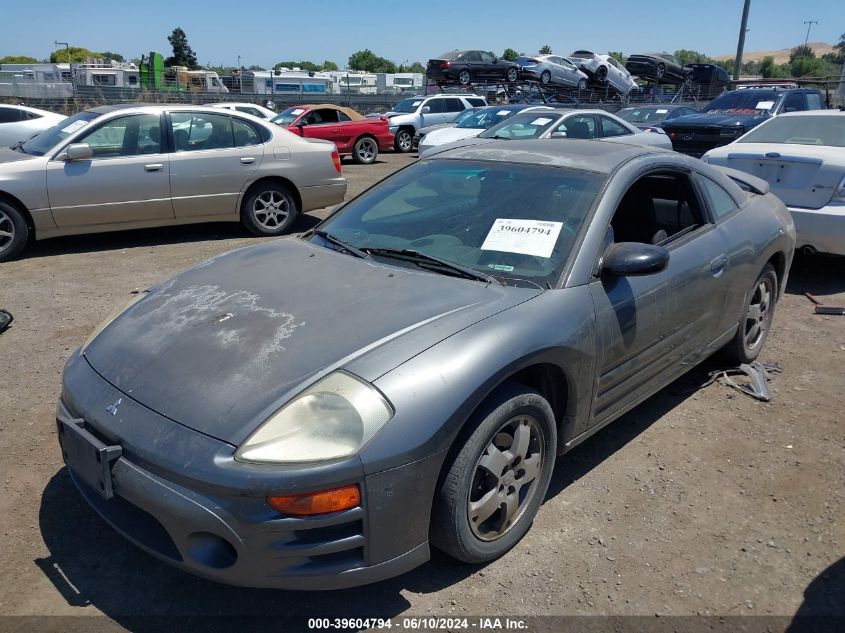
<point x="317" y="502"/>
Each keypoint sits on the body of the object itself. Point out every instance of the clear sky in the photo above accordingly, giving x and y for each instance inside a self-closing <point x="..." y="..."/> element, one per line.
<point x="264" y="32"/>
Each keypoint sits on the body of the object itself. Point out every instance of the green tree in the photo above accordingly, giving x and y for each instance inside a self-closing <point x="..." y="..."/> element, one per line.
<point x="801" y="52"/>
<point x="328" y="65"/>
<point x="686" y="56"/>
<point x="416" y="67"/>
<point x="545" y="50"/>
<point x="510" y="55"/>
<point x="728" y="65"/>
<point x="770" y="70"/>
<point x="839" y="47"/>
<point x="183" y="54"/>
<point x="749" y="68"/>
<point x="619" y="56"/>
<point x="74" y="54"/>
<point x="115" y="56"/>
<point x="18" y="59"/>
<point x="368" y="61"/>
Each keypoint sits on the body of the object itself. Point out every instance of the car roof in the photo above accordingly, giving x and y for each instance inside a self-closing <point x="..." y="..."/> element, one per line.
<point x="814" y="113"/>
<point x="352" y="114"/>
<point x="589" y="155"/>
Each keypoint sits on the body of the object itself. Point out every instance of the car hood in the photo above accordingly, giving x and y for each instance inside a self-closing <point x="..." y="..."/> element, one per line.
<point x="8" y="155"/>
<point x="223" y="345"/>
<point x="448" y="135"/>
<point x="431" y="128"/>
<point x="723" y="119"/>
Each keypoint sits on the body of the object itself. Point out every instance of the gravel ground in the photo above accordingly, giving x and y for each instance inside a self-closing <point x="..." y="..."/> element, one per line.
<point x="700" y="501"/>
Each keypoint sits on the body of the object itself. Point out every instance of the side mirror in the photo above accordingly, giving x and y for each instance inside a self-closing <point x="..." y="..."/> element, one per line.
<point x="634" y="258"/>
<point x="425" y="110"/>
<point x="78" y="151"/>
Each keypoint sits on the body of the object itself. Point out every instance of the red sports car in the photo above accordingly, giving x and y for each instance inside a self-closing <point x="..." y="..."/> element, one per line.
<point x="355" y="135"/>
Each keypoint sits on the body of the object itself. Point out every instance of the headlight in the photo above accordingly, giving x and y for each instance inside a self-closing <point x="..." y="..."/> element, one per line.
<point x="333" y="418"/>
<point x="135" y="299"/>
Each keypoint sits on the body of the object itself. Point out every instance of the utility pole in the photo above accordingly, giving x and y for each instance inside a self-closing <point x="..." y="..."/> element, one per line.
<point x="741" y="42"/>
<point x="809" y="24"/>
<point x="70" y="66"/>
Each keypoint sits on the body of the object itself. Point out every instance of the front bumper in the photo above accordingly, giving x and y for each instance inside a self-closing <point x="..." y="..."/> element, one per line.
<point x="182" y="510"/>
<point x="822" y="229"/>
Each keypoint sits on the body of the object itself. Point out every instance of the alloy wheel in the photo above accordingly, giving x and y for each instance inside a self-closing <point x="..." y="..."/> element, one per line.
<point x="7" y="231"/>
<point x="463" y="77"/>
<point x="367" y="150"/>
<point x="271" y="209"/>
<point x="757" y="315"/>
<point x="404" y="140"/>
<point x="506" y="478"/>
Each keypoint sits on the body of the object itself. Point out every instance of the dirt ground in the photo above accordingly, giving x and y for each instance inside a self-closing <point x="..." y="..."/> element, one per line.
<point x="700" y="501"/>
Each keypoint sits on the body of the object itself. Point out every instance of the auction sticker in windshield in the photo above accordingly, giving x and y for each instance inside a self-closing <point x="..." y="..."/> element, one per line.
<point x="297" y="111"/>
<point x="540" y="121"/>
<point x="661" y="110"/>
<point x="528" y="237"/>
<point x="70" y="129"/>
<point x="764" y="105"/>
<point x="503" y="112"/>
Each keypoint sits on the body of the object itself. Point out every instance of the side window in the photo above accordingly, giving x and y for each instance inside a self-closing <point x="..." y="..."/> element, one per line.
<point x="342" y="116"/>
<point x="721" y="202"/>
<point x="198" y="131"/>
<point x="10" y="115"/>
<point x="245" y="134"/>
<point x="814" y="101"/>
<point x="126" y="136"/>
<point x="454" y="105"/>
<point x="437" y="106"/>
<point x="472" y="56"/>
<point x="29" y="116"/>
<point x="476" y="103"/>
<point x="251" y="111"/>
<point x="578" y="126"/>
<point x="793" y="103"/>
<point x="487" y="57"/>
<point x="612" y="61"/>
<point x="656" y="209"/>
<point x="609" y="127"/>
<point x="326" y="115"/>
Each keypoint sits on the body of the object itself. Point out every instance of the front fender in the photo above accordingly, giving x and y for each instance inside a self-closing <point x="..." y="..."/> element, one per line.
<point x="435" y="392"/>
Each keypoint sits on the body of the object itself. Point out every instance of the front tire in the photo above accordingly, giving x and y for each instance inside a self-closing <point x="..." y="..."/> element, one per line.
<point x="404" y="141"/>
<point x="512" y="74"/>
<point x="269" y="209"/>
<point x="494" y="485"/>
<point x="545" y="77"/>
<point x="661" y="70"/>
<point x="758" y="312"/>
<point x="464" y="77"/>
<point x="14" y="231"/>
<point x="365" y="150"/>
<point x="601" y="74"/>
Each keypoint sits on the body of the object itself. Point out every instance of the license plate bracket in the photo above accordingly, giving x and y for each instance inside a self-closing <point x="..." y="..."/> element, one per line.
<point x="89" y="458"/>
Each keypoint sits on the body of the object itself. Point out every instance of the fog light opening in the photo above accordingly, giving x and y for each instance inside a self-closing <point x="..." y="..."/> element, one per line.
<point x="211" y="550"/>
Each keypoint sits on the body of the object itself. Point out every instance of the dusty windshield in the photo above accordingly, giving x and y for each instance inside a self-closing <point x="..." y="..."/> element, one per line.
<point x="516" y="222"/>
<point x="826" y="130"/>
<point x="407" y="105"/>
<point x="745" y="102"/>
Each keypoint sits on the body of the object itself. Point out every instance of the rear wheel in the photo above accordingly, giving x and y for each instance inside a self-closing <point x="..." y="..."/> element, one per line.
<point x="512" y="74"/>
<point x="14" y="231"/>
<point x="601" y="73"/>
<point x="545" y="77"/>
<point x="494" y="484"/>
<point x="365" y="150"/>
<point x="463" y="77"/>
<point x="661" y="70"/>
<point x="269" y="209"/>
<point x="756" y="321"/>
<point x="404" y="140"/>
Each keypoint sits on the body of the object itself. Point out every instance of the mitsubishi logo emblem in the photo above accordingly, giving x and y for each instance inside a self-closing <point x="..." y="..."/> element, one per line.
<point x="112" y="408"/>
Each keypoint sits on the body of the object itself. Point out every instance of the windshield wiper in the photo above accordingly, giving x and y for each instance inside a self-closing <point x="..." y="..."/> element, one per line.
<point x="331" y="239"/>
<point x="430" y="262"/>
<point x="501" y="138"/>
<point x="18" y="147"/>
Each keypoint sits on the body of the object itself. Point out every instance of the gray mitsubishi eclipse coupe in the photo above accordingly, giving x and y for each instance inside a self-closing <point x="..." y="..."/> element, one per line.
<point x="312" y="413"/>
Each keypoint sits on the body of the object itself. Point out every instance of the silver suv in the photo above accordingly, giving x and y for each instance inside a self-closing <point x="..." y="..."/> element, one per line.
<point x="409" y="115"/>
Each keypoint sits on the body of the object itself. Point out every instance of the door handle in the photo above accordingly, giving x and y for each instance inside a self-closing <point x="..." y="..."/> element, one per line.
<point x="247" y="160"/>
<point x="717" y="266"/>
<point x="153" y="167"/>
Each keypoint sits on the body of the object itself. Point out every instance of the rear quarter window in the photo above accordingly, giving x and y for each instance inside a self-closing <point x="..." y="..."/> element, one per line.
<point x="814" y="101"/>
<point x="720" y="202"/>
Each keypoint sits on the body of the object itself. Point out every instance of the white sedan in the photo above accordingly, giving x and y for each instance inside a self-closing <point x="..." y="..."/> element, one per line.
<point x="583" y="124"/>
<point x="21" y="123"/>
<point x="475" y="123"/>
<point x="802" y="157"/>
<point x="249" y="108"/>
<point x="604" y="69"/>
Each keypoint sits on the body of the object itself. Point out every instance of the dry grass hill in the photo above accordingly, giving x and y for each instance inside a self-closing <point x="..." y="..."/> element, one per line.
<point x="781" y="56"/>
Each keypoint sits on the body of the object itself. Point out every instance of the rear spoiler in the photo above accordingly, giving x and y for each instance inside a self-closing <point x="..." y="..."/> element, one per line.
<point x="747" y="182"/>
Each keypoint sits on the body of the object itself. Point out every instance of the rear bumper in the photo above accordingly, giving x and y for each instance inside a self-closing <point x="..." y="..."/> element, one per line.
<point x="326" y="195"/>
<point x="192" y="519"/>
<point x="822" y="229"/>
